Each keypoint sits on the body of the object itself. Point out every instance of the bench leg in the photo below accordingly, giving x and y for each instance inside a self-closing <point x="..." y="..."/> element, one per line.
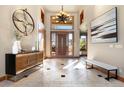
<point x="90" y="67"/>
<point x="116" y="76"/>
<point x="86" y="65"/>
<point x="108" y="75"/>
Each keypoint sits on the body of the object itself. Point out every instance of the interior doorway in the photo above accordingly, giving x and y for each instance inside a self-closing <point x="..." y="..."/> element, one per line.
<point x="62" y="44"/>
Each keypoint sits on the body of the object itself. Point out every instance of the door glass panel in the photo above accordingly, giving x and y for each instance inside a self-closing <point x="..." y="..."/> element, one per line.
<point x="70" y="45"/>
<point x="41" y="41"/>
<point x="53" y="44"/>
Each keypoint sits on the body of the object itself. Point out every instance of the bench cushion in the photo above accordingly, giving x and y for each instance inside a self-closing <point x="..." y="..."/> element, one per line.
<point x="101" y="64"/>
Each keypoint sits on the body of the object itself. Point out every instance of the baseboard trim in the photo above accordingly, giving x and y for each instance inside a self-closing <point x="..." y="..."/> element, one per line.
<point x="111" y="74"/>
<point x="121" y="78"/>
<point x="2" y="78"/>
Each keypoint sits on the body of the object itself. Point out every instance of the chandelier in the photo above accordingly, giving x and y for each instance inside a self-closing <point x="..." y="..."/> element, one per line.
<point x="63" y="17"/>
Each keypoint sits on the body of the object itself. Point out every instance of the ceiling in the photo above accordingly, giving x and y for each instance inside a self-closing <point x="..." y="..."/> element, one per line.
<point x="67" y="8"/>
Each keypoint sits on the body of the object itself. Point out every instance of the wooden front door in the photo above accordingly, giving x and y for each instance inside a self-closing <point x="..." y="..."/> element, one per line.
<point x="62" y="48"/>
<point x="62" y="44"/>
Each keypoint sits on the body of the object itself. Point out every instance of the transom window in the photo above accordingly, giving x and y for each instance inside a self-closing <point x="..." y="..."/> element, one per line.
<point x="55" y="25"/>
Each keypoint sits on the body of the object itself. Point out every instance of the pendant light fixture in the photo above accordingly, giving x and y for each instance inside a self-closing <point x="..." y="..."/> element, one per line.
<point x="63" y="17"/>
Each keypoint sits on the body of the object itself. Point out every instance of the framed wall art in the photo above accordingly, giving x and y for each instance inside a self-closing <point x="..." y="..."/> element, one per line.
<point x="104" y="27"/>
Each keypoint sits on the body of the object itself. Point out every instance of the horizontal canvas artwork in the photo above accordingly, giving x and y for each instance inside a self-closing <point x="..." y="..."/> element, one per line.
<point x="104" y="27"/>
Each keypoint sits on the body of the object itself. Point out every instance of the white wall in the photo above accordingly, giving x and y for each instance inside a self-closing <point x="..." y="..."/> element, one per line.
<point x="7" y="29"/>
<point x="76" y="32"/>
<point x="103" y="51"/>
<point x="6" y="35"/>
<point x="29" y="41"/>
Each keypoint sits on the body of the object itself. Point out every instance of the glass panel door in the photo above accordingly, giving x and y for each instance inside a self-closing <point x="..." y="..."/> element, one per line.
<point x="61" y="44"/>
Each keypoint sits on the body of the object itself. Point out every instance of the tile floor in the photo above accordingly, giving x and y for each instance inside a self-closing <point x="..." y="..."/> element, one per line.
<point x="74" y="75"/>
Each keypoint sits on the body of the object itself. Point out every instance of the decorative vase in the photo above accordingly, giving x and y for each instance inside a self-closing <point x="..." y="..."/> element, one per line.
<point x="16" y="48"/>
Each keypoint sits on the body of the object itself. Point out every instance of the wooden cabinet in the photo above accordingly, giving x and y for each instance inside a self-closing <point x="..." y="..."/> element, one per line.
<point x="21" y="62"/>
<point x="32" y="59"/>
<point x="40" y="57"/>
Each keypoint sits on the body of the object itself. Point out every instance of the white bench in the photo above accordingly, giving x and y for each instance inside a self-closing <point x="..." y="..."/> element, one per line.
<point x="104" y="66"/>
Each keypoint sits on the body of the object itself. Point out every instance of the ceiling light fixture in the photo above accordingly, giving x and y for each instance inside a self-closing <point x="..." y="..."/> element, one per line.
<point x="62" y="17"/>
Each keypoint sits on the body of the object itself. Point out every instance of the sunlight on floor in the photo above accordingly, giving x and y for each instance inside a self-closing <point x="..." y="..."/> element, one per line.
<point x="79" y="65"/>
<point x="70" y="64"/>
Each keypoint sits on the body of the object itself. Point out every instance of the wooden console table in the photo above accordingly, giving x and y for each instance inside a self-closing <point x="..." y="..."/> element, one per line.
<point x="17" y="63"/>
